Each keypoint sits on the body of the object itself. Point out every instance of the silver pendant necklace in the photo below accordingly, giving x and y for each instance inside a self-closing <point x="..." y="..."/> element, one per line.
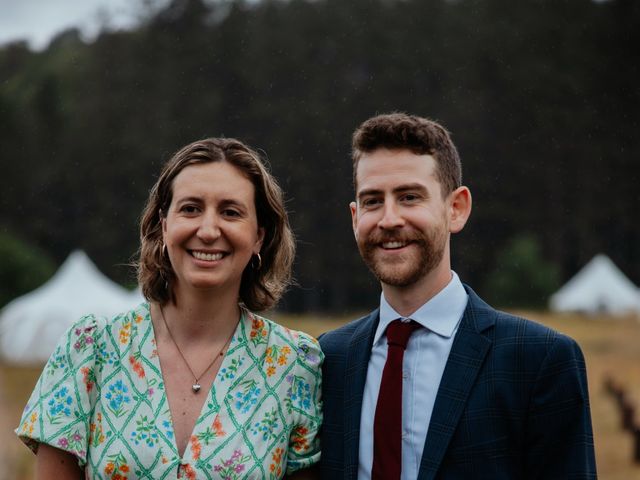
<point x="196" y="384"/>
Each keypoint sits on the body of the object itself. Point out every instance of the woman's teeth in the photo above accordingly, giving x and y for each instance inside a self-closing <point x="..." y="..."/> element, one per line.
<point x="209" y="257"/>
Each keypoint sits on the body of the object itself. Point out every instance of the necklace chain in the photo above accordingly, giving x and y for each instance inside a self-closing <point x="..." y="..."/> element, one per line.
<point x="196" y="385"/>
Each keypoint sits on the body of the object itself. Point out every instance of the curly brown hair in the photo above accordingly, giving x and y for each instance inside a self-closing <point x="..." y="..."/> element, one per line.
<point x="397" y="131"/>
<point x="260" y="288"/>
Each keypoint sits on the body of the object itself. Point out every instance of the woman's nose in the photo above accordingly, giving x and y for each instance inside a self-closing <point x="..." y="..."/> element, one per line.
<point x="209" y="229"/>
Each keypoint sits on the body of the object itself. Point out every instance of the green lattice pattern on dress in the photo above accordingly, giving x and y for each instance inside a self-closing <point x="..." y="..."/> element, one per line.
<point x="101" y="397"/>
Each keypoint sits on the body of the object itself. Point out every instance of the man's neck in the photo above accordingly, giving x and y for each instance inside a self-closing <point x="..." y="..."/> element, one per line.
<point x="406" y="300"/>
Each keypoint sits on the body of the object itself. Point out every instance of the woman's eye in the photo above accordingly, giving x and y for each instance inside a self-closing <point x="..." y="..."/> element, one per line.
<point x="189" y="209"/>
<point x="231" y="213"/>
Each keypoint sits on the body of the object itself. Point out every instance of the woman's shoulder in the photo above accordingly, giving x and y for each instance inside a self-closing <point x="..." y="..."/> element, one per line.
<point x="91" y="327"/>
<point x="84" y="332"/>
<point x="306" y="346"/>
<point x="99" y="323"/>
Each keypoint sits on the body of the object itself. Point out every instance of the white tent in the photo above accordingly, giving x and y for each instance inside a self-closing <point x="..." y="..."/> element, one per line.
<point x="600" y="287"/>
<point x="31" y="325"/>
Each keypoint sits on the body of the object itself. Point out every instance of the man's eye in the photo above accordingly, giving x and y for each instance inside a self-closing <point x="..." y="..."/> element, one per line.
<point x="371" y="202"/>
<point x="410" y="197"/>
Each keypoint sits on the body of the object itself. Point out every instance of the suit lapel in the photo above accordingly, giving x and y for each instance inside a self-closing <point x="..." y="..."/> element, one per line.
<point x="355" y="376"/>
<point x="467" y="355"/>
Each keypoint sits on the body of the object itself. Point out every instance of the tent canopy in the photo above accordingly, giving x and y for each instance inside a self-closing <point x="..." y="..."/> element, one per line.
<point x="600" y="287"/>
<point x="31" y="325"/>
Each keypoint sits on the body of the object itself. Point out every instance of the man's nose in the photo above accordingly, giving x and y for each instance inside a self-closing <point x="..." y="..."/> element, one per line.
<point x="391" y="216"/>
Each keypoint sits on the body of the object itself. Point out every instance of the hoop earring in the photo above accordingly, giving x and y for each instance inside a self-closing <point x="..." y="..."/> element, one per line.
<point x="164" y="250"/>
<point x="253" y="264"/>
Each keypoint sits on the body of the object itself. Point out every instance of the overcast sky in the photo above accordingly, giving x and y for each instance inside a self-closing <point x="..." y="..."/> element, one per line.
<point x="38" y="21"/>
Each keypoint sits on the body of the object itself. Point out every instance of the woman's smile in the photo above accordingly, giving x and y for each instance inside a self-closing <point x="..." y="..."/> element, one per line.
<point x="207" y="256"/>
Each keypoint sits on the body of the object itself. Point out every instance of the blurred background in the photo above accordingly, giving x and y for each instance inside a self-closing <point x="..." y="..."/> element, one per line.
<point x="542" y="98"/>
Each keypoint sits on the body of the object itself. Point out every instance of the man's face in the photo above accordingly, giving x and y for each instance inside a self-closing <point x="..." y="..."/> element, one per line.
<point x="400" y="220"/>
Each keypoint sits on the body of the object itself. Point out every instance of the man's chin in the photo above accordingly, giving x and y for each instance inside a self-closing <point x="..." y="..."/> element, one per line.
<point x="396" y="277"/>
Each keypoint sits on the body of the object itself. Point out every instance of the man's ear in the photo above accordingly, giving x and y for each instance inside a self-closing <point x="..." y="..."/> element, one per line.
<point x="354" y="218"/>
<point x="459" y="208"/>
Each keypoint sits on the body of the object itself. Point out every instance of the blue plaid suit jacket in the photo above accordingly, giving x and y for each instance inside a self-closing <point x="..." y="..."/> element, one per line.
<point x="512" y="403"/>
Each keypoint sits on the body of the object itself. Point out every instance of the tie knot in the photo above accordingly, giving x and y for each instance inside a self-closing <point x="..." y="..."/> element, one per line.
<point x="398" y="332"/>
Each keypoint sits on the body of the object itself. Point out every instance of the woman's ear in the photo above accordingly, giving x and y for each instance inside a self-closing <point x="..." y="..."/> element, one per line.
<point x="259" y="241"/>
<point x="163" y="223"/>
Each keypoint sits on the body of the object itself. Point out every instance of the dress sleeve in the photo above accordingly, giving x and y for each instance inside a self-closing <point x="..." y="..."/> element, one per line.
<point x="305" y="396"/>
<point x="59" y="410"/>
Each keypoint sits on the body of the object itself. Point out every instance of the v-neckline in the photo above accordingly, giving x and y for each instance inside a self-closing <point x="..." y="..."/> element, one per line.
<point x="149" y="351"/>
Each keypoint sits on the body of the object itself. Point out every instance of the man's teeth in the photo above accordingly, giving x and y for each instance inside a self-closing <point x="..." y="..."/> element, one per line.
<point x="210" y="257"/>
<point x="393" y="244"/>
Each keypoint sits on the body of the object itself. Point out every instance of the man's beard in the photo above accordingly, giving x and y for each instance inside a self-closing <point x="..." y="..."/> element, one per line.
<point x="424" y="255"/>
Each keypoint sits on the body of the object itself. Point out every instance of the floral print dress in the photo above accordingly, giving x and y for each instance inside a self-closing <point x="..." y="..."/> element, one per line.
<point x="101" y="397"/>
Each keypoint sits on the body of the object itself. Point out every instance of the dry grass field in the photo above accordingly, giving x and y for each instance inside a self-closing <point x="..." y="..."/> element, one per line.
<point x="611" y="347"/>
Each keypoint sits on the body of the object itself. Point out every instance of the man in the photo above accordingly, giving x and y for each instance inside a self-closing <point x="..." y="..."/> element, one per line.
<point x="475" y="393"/>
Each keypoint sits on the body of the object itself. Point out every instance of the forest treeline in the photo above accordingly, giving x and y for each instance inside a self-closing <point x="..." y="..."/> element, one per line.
<point x="542" y="98"/>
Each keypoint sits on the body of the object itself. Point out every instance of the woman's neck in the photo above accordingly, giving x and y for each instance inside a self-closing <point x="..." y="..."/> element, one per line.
<point x="201" y="316"/>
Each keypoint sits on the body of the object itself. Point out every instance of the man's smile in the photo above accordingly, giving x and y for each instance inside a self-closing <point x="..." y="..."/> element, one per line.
<point x="394" y="245"/>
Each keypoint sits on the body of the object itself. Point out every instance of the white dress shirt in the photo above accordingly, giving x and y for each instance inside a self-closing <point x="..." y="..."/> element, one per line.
<point x="424" y="361"/>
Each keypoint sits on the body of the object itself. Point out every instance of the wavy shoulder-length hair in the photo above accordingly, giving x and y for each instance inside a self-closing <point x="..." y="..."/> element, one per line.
<point x="263" y="283"/>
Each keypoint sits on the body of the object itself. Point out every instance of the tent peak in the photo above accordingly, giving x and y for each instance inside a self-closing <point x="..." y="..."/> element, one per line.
<point x="600" y="286"/>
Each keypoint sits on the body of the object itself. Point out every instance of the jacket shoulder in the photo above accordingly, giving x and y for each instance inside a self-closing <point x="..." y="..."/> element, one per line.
<point x="339" y="338"/>
<point x="515" y="325"/>
<point x="514" y="333"/>
<point x="538" y="343"/>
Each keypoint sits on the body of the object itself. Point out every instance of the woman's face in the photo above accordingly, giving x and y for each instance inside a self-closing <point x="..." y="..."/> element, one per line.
<point x="211" y="227"/>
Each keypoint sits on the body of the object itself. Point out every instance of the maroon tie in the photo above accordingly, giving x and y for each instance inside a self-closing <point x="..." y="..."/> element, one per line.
<point x="387" y="426"/>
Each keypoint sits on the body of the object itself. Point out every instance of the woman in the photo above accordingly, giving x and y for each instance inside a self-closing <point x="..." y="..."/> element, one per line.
<point x="192" y="384"/>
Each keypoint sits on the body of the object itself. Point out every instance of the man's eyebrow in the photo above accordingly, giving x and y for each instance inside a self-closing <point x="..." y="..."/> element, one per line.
<point x="409" y="187"/>
<point x="399" y="189"/>
<point x="369" y="191"/>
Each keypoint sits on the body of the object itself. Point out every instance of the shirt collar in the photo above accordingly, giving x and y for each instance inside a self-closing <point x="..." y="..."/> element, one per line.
<point x="441" y="314"/>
